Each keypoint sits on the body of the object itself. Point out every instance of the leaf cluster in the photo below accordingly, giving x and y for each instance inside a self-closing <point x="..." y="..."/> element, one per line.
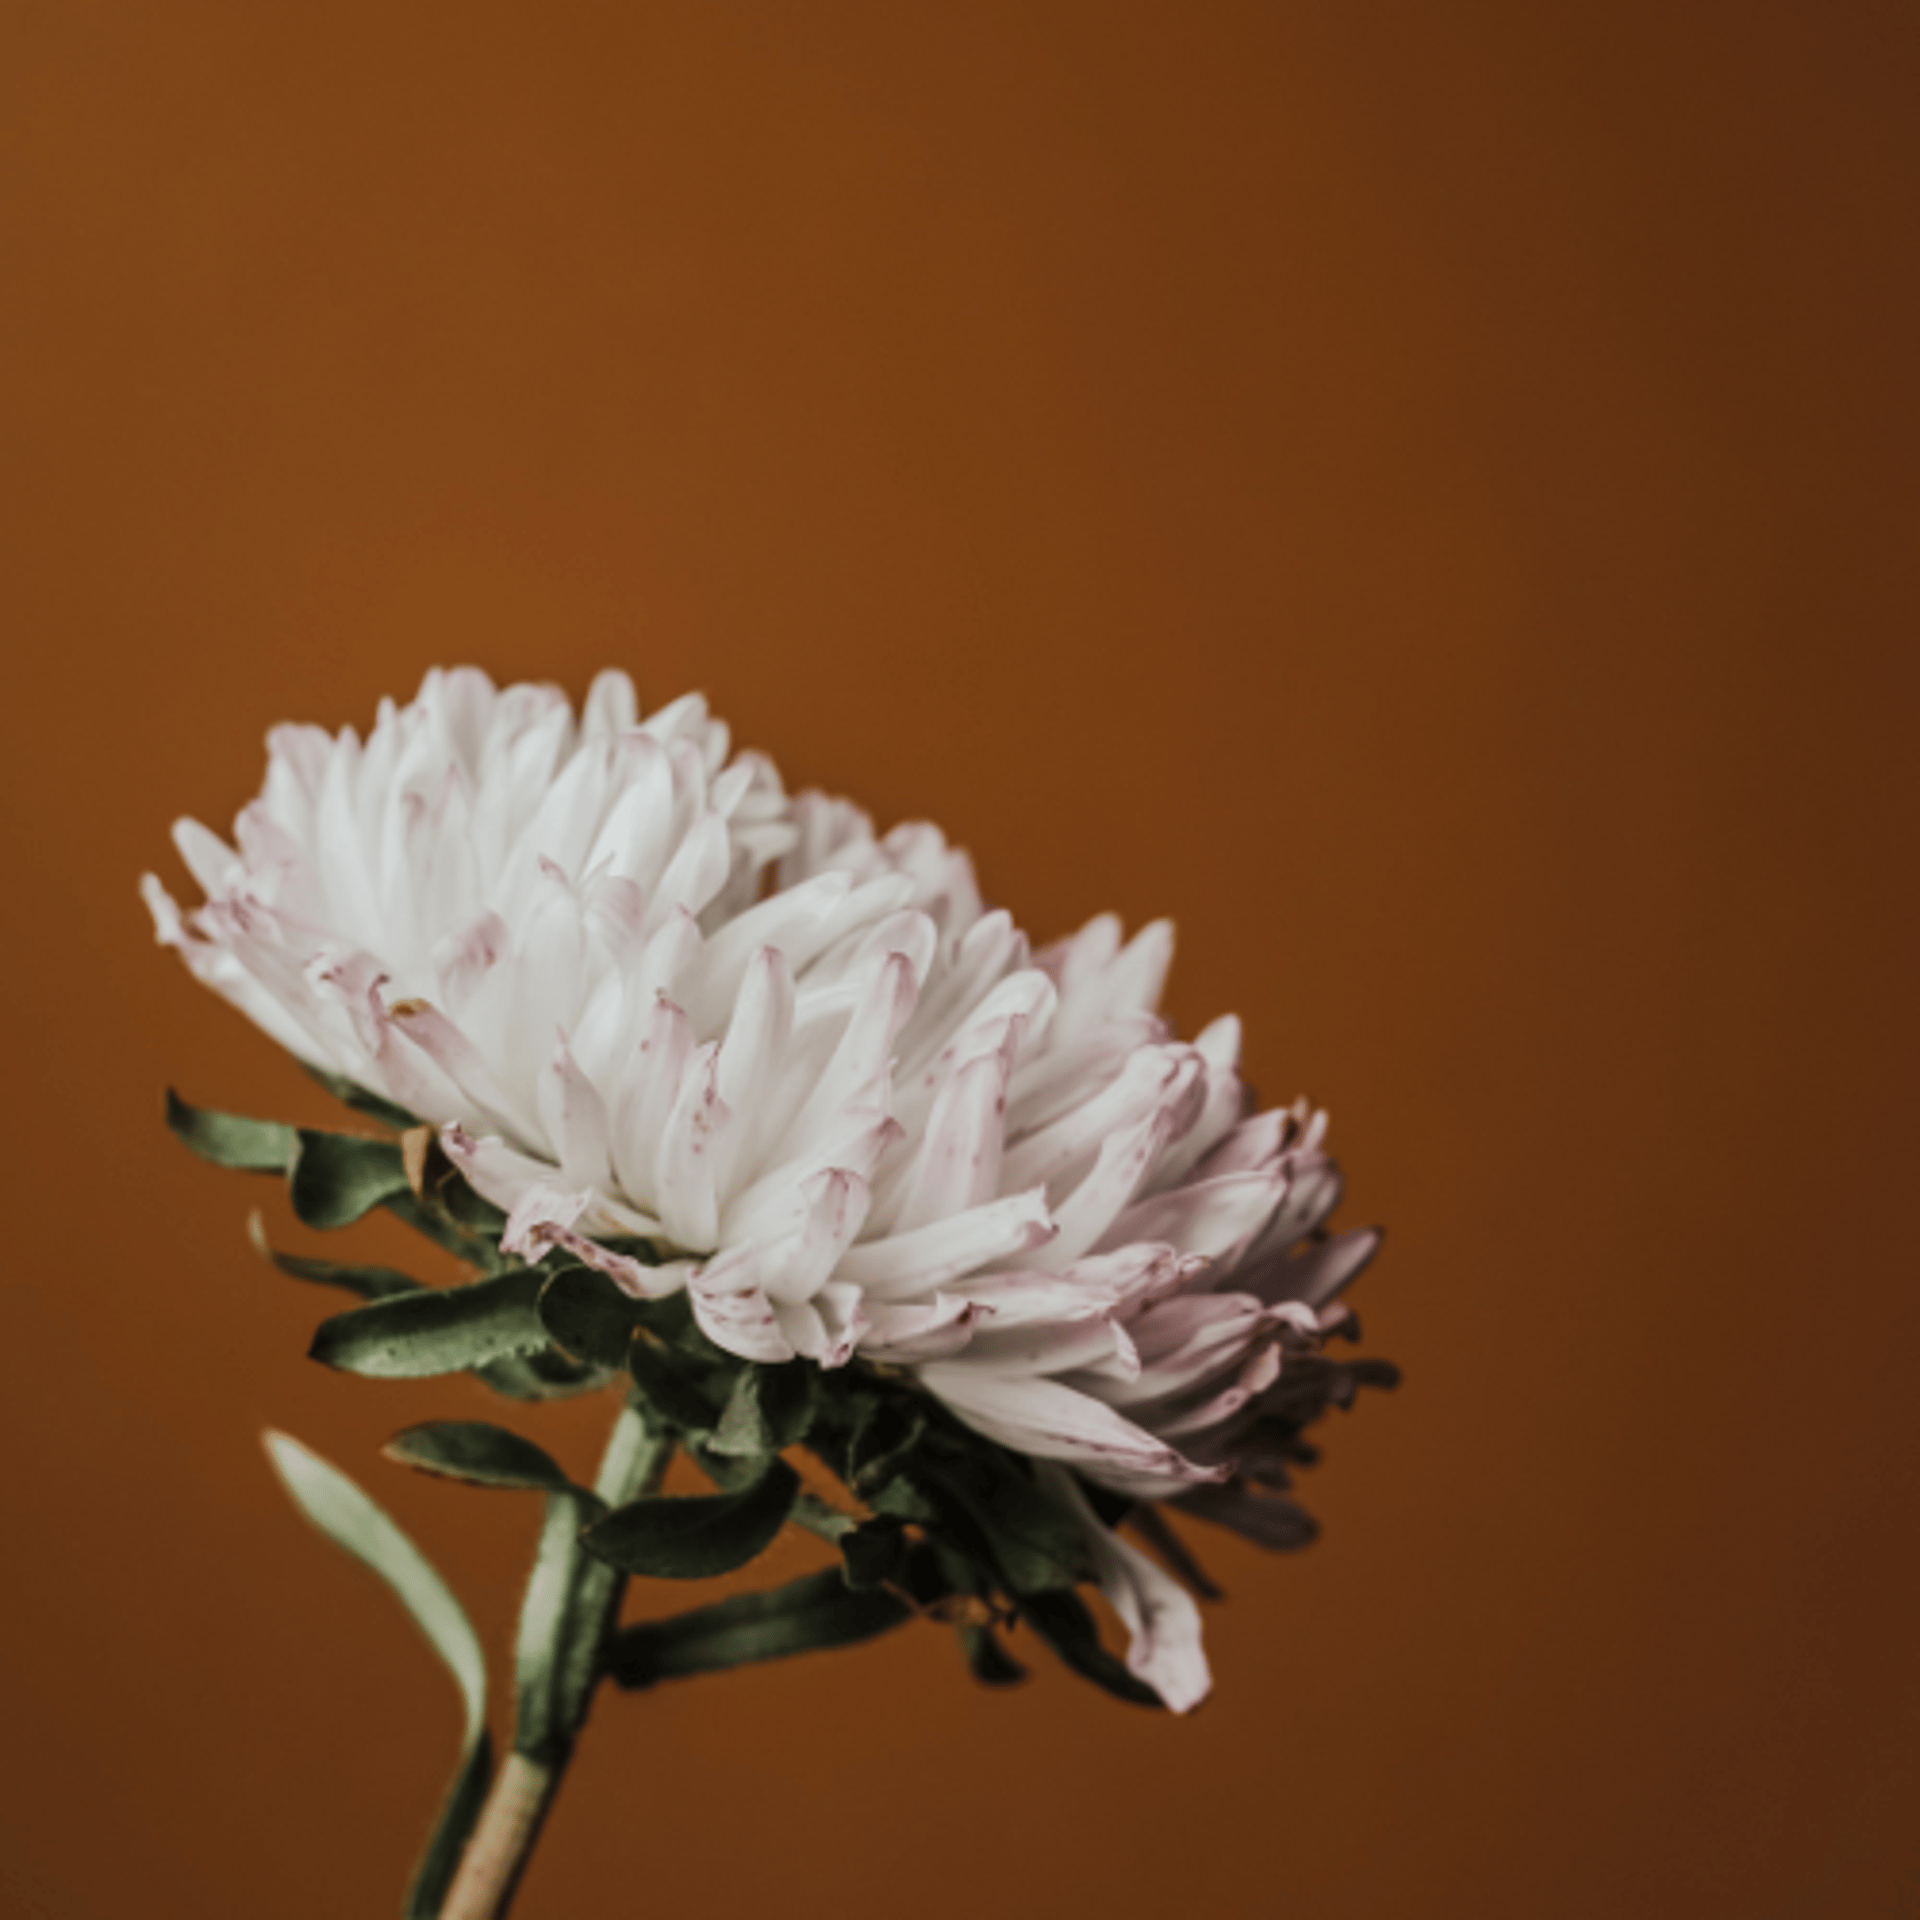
<point x="930" y="1519"/>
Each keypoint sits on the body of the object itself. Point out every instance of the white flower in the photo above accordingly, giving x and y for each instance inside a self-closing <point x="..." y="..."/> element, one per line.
<point x="851" y="1107"/>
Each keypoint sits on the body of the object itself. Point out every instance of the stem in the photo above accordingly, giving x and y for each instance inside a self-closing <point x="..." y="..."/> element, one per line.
<point x="496" y="1856"/>
<point x="572" y="1601"/>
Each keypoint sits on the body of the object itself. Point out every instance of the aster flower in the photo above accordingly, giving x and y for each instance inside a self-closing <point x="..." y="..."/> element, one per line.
<point x="722" y="1045"/>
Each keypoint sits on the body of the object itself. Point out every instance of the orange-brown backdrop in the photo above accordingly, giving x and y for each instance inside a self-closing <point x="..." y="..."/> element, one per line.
<point x="1425" y="496"/>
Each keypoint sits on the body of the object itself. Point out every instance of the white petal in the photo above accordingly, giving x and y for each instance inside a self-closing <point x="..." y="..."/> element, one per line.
<point x="1156" y="1610"/>
<point x="901" y="1266"/>
<point x="1053" y="1422"/>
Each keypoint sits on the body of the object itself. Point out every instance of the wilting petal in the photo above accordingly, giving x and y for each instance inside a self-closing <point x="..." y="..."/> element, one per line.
<point x="1266" y="1519"/>
<point x="733" y="1310"/>
<point x="1157" y="1611"/>
<point x="1053" y="1422"/>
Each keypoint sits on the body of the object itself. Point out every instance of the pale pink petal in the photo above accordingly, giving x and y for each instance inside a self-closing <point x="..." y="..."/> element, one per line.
<point x="1157" y="1611"/>
<point x="1210" y="1217"/>
<point x="903" y="1265"/>
<point x="1053" y="1422"/>
<point x="733" y="1310"/>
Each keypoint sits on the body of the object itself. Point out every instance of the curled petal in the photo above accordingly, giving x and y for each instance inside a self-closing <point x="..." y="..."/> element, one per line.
<point x="1159" y="1614"/>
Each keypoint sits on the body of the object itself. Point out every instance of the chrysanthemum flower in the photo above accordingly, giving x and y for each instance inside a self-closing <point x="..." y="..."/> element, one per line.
<point x="646" y="996"/>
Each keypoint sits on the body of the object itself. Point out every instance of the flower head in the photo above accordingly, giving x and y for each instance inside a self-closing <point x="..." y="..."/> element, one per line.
<point x="647" y="996"/>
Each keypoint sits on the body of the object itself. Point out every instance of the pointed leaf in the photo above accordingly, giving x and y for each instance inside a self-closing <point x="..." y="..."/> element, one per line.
<point x="815" y="1611"/>
<point x="695" y="1536"/>
<point x="352" y="1521"/>
<point x="992" y="1664"/>
<point x="479" y="1453"/>
<point x="337" y="1177"/>
<point x="370" y="1283"/>
<point x="230" y="1139"/>
<point x="437" y="1330"/>
<point x="1063" y="1622"/>
<point x="587" y="1315"/>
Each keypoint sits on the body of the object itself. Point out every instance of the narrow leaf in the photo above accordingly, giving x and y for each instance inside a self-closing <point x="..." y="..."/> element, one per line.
<point x="587" y="1315"/>
<point x="695" y="1536"/>
<point x="1063" y="1622"/>
<point x="231" y="1140"/>
<point x="335" y="1178"/>
<point x="352" y="1521"/>
<point x="992" y="1664"/>
<point x="370" y="1283"/>
<point x="477" y="1452"/>
<point x="437" y="1330"/>
<point x="815" y="1611"/>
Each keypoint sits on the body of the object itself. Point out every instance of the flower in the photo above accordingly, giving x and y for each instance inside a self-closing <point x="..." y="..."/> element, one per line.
<point x="647" y="995"/>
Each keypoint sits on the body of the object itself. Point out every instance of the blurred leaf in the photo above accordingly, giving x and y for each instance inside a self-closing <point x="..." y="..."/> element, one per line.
<point x="546" y="1375"/>
<point x="335" y="1178"/>
<point x="370" y="1283"/>
<point x="229" y="1139"/>
<point x="992" y="1664"/>
<point x="437" y="1330"/>
<point x="1063" y="1622"/>
<point x="874" y="1553"/>
<point x="585" y="1313"/>
<point x="695" y="1536"/>
<point x="478" y="1452"/>
<point x="352" y="1521"/>
<point x="815" y="1611"/>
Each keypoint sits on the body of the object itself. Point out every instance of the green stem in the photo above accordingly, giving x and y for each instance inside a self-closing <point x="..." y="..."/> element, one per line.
<point x="572" y="1603"/>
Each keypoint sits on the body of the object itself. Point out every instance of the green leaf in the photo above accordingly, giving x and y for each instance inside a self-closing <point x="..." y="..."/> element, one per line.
<point x="370" y="1283"/>
<point x="432" y="1222"/>
<point x="875" y="1554"/>
<point x="437" y="1330"/>
<point x="769" y="1409"/>
<point x="585" y="1313"/>
<point x="695" y="1536"/>
<point x="668" y="1384"/>
<point x="548" y="1375"/>
<point x="361" y="1101"/>
<point x="1035" y="1543"/>
<point x="231" y="1140"/>
<point x="478" y="1452"/>
<point x="335" y="1178"/>
<point x="1063" y="1622"/>
<point x="992" y="1664"/>
<point x="815" y="1611"/>
<point x="351" y="1521"/>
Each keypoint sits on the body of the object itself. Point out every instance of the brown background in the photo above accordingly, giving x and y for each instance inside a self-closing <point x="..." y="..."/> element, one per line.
<point x="1423" y="495"/>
